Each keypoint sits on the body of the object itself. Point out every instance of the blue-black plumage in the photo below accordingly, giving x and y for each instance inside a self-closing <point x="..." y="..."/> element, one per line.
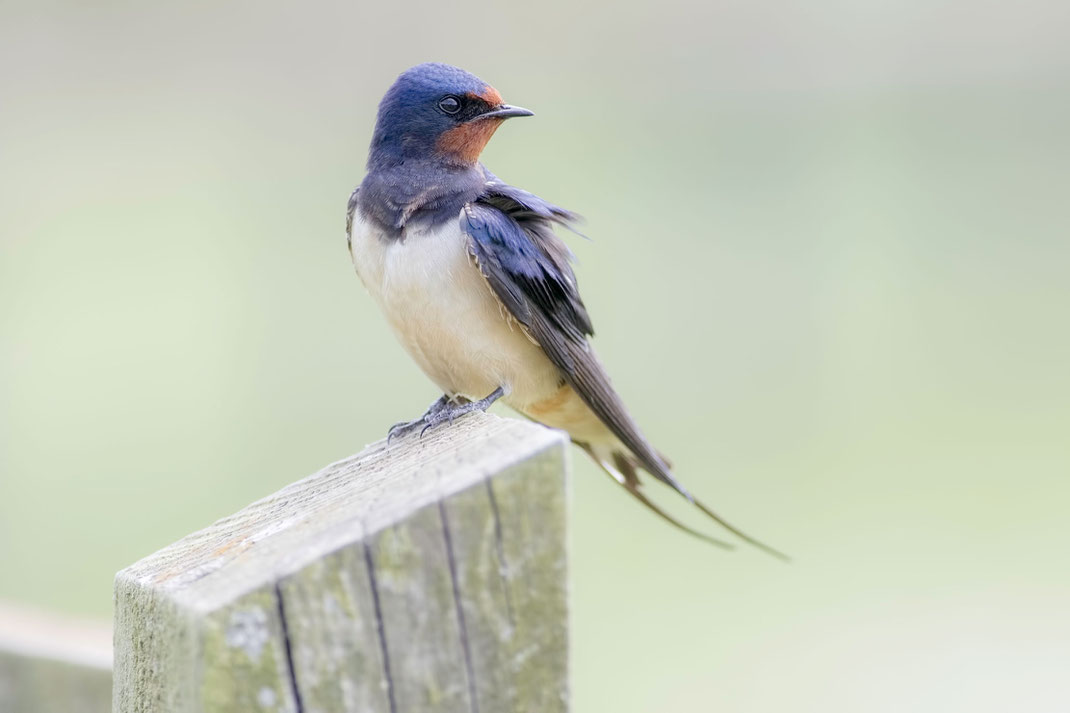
<point x="475" y="283"/>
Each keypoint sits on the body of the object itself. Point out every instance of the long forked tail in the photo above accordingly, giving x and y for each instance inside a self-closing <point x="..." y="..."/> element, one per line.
<point x="740" y="534"/>
<point x="623" y="469"/>
<point x="626" y="479"/>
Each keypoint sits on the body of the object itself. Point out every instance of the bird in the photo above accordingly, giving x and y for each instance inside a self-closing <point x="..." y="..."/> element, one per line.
<point x="479" y="289"/>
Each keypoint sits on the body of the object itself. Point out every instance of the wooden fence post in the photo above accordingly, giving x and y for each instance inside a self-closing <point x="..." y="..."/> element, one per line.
<point x="427" y="575"/>
<point x="53" y="664"/>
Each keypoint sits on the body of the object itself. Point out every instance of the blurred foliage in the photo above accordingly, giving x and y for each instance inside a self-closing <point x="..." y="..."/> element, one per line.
<point x="828" y="270"/>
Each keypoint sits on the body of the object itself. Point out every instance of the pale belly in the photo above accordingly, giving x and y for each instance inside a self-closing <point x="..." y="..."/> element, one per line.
<point x="446" y="317"/>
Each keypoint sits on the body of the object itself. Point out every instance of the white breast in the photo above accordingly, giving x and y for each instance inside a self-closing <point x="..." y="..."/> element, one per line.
<point x="445" y="315"/>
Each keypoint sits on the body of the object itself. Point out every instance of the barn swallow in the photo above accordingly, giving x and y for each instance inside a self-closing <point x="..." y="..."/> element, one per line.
<point x="476" y="285"/>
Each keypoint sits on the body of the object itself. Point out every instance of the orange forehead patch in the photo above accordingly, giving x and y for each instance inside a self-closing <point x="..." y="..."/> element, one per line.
<point x="491" y="96"/>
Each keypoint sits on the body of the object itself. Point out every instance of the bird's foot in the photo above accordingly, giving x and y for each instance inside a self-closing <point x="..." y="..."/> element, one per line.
<point x="404" y="428"/>
<point x="446" y="409"/>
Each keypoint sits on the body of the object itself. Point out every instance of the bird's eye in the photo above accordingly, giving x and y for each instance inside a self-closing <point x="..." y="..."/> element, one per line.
<point x="450" y="104"/>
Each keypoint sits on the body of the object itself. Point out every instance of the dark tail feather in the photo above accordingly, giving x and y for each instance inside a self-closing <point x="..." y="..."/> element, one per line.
<point x="624" y="475"/>
<point x="626" y="465"/>
<point x="669" y="518"/>
<point x="740" y="534"/>
<point x="659" y="469"/>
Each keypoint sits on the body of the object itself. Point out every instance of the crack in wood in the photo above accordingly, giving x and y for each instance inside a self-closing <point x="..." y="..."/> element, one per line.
<point x="463" y="629"/>
<point x="499" y="545"/>
<point x="288" y="649"/>
<point x="380" y="628"/>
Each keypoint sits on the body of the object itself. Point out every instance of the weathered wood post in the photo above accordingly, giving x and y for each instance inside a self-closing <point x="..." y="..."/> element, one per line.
<point x="427" y="575"/>
<point x="53" y="664"/>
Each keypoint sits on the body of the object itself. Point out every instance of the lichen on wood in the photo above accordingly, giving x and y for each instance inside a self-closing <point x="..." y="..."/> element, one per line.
<point x="426" y="575"/>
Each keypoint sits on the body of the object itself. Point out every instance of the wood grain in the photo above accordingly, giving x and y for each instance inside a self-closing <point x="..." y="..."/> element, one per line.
<point x="427" y="575"/>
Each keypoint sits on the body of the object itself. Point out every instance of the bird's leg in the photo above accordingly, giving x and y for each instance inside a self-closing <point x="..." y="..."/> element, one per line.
<point x="454" y="410"/>
<point x="406" y="427"/>
<point x="446" y="409"/>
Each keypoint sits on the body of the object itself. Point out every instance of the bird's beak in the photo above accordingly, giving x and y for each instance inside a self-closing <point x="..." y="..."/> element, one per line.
<point x="504" y="111"/>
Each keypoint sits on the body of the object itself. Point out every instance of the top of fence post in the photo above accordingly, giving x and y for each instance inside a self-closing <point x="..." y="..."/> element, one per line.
<point x="426" y="575"/>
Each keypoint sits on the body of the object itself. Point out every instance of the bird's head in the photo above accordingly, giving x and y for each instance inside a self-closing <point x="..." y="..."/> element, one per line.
<point x="440" y="113"/>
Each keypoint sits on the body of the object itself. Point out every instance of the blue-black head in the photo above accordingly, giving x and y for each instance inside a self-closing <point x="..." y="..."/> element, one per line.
<point x="439" y="113"/>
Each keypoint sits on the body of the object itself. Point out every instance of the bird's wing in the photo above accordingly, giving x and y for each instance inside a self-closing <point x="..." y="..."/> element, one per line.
<point x="351" y="208"/>
<point x="511" y="239"/>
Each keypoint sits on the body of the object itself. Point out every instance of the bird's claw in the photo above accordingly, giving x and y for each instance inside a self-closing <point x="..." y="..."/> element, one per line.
<point x="437" y="418"/>
<point x="404" y="428"/>
<point x="446" y="409"/>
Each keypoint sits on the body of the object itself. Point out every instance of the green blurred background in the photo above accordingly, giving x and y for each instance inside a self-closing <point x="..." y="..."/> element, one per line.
<point x="829" y="270"/>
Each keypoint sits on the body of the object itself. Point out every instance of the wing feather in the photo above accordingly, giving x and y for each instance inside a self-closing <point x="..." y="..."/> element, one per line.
<point x="351" y="209"/>
<point x="527" y="267"/>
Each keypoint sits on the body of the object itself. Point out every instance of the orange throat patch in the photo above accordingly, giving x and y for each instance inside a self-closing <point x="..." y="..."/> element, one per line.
<point x="467" y="141"/>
